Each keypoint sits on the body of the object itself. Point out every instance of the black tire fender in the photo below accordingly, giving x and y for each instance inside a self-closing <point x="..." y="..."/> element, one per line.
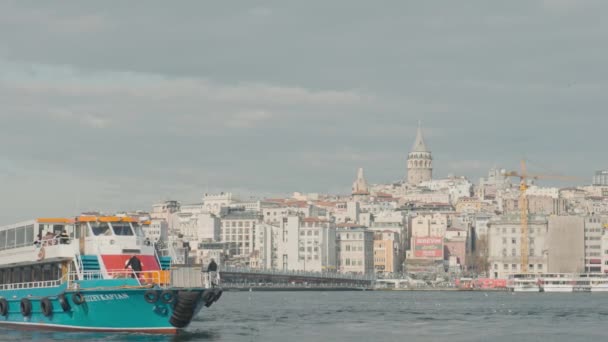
<point x="46" y="306"/>
<point x="151" y="296"/>
<point x="78" y="298"/>
<point x="167" y="297"/>
<point x="63" y="302"/>
<point x="3" y="307"/>
<point x="208" y="296"/>
<point x="26" y="307"/>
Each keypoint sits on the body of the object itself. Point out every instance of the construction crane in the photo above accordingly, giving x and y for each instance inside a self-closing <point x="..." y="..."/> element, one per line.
<point x="524" y="176"/>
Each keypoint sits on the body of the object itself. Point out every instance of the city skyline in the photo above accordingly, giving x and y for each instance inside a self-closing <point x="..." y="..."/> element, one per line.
<point x="106" y="109"/>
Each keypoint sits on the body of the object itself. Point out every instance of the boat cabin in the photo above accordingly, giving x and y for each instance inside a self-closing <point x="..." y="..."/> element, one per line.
<point x="46" y="249"/>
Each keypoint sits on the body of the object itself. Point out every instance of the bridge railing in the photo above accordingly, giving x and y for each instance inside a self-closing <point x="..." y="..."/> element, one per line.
<point x="308" y="274"/>
<point x="245" y="285"/>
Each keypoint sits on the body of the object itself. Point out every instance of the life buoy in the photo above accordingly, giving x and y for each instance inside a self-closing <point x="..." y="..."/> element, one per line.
<point x="77" y="298"/>
<point x="63" y="302"/>
<point x="41" y="254"/>
<point x="46" y="306"/>
<point x="3" y="307"/>
<point x="26" y="307"/>
<point x="151" y="296"/>
<point x="167" y="297"/>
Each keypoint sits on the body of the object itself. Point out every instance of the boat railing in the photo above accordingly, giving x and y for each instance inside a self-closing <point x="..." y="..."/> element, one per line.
<point x="31" y="285"/>
<point x="54" y="241"/>
<point x="38" y="243"/>
<point x="183" y="277"/>
<point x="102" y="265"/>
<point x="156" y="277"/>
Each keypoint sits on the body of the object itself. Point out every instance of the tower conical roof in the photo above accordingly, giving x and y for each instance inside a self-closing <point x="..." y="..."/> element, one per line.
<point x="419" y="145"/>
<point x="360" y="184"/>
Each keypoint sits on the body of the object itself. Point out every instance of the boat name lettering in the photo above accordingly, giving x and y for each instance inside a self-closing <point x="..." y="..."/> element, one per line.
<point x="105" y="297"/>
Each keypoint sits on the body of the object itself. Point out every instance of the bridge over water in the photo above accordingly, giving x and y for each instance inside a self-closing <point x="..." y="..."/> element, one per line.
<point x="248" y="277"/>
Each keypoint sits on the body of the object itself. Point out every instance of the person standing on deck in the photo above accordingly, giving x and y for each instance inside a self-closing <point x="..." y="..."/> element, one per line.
<point x="212" y="271"/>
<point x="64" y="238"/>
<point x="136" y="266"/>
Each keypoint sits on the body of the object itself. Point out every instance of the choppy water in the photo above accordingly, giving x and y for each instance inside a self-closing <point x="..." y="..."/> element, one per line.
<point x="383" y="316"/>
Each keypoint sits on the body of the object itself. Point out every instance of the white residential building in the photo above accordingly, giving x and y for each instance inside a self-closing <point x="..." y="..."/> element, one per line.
<point x="288" y="244"/>
<point x="430" y="224"/>
<point x="594" y="230"/>
<point x="166" y="211"/>
<point x="455" y="187"/>
<point x="156" y="231"/>
<point x="266" y="245"/>
<point x="481" y="223"/>
<point x="317" y="245"/>
<point x="238" y="227"/>
<point x="535" y="190"/>
<point x="504" y="245"/>
<point x="213" y="203"/>
<point x="355" y="250"/>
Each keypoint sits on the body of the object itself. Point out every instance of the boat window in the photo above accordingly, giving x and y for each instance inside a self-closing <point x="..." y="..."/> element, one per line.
<point x="36" y="273"/>
<point x="16" y="275"/>
<point x="3" y="239"/>
<point x="100" y="228"/>
<point x="138" y="231"/>
<point x="26" y="276"/>
<point x="58" y="229"/>
<point x="20" y="234"/>
<point x="122" y="228"/>
<point x="29" y="234"/>
<point x="46" y="272"/>
<point x="10" y="238"/>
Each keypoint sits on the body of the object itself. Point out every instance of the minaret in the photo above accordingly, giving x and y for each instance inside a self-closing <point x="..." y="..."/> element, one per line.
<point x="419" y="161"/>
<point x="360" y="189"/>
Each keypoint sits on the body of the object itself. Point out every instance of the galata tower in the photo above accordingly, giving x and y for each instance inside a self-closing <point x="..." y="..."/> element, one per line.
<point x="419" y="161"/>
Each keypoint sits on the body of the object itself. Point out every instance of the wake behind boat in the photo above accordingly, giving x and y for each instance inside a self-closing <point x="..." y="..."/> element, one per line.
<point x="72" y="275"/>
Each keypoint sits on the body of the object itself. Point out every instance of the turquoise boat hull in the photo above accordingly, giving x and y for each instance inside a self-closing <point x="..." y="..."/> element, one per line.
<point x="108" y="306"/>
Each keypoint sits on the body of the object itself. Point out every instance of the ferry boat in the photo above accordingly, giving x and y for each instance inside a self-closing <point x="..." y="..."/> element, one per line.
<point x="557" y="282"/>
<point x="523" y="283"/>
<point x="584" y="282"/>
<point x="71" y="275"/>
<point x="598" y="282"/>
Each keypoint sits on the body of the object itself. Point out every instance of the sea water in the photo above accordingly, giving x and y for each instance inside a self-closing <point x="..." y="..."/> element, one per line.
<point x="382" y="316"/>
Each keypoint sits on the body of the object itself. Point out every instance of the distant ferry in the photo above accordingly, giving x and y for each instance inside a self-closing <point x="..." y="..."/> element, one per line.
<point x="558" y="282"/>
<point x="71" y="275"/>
<point x="523" y="283"/>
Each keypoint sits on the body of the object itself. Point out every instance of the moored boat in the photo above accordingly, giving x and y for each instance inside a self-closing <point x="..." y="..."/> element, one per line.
<point x="523" y="283"/>
<point x="73" y="275"/>
<point x="558" y="282"/>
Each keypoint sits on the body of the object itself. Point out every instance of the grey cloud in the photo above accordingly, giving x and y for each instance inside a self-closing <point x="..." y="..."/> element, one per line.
<point x="140" y="103"/>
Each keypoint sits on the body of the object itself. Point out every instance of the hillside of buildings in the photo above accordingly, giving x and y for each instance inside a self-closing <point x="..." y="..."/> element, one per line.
<point x="418" y="226"/>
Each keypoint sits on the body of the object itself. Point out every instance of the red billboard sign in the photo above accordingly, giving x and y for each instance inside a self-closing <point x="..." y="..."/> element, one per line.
<point x="428" y="247"/>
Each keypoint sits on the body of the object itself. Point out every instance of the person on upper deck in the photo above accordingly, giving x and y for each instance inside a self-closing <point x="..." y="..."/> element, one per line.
<point x="49" y="238"/>
<point x="64" y="238"/>
<point x="135" y="264"/>
<point x="38" y="240"/>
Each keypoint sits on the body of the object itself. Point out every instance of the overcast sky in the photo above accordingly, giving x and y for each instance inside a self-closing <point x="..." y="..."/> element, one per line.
<point x="109" y="105"/>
